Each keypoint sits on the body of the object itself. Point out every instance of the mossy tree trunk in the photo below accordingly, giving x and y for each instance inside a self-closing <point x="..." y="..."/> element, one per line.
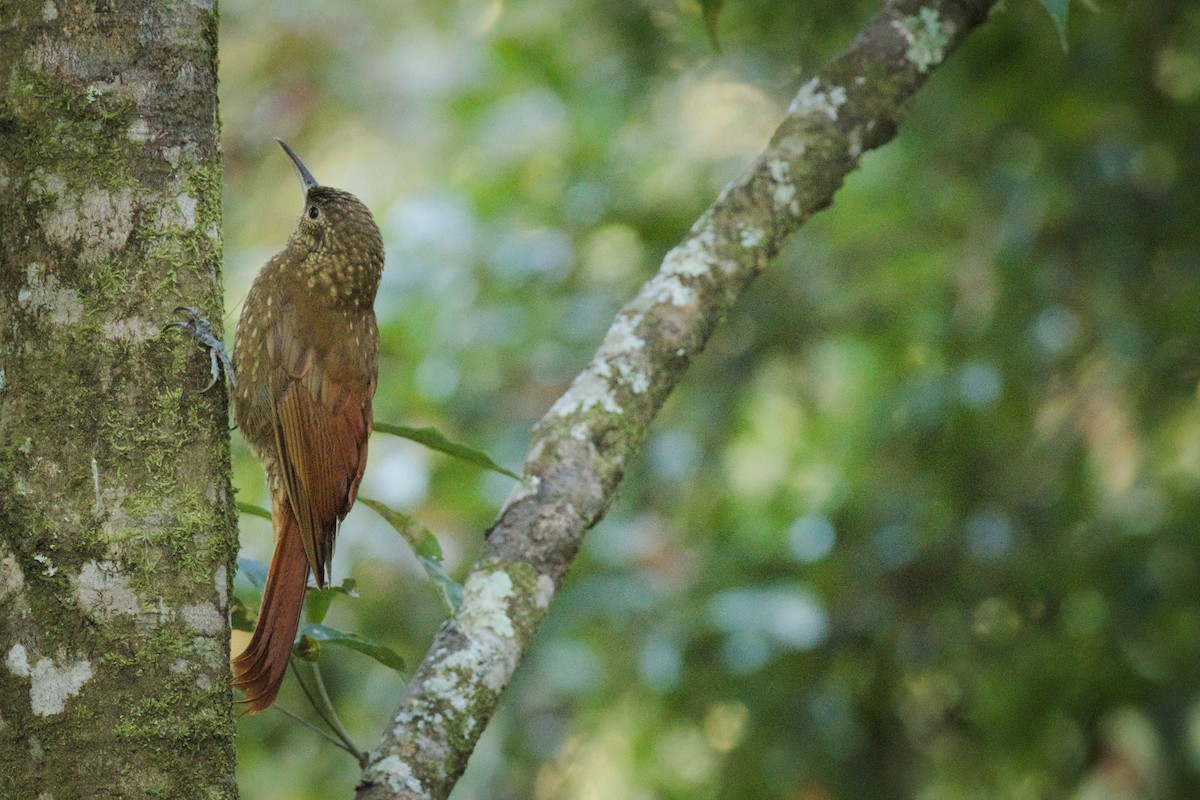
<point x="117" y="538"/>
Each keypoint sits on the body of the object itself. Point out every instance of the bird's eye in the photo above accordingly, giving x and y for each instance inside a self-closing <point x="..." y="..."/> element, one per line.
<point x="313" y="212"/>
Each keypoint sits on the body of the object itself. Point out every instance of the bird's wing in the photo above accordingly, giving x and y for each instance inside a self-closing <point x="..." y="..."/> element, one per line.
<point x="321" y="412"/>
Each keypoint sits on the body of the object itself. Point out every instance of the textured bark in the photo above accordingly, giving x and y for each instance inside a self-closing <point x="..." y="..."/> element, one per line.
<point x="580" y="448"/>
<point x="117" y="539"/>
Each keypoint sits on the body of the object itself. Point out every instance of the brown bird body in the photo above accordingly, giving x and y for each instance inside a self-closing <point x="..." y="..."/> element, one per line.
<point x="305" y="356"/>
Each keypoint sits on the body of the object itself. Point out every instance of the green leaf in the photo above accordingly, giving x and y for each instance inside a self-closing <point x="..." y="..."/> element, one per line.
<point x="711" y="9"/>
<point x="317" y="601"/>
<point x="254" y="570"/>
<point x="239" y="617"/>
<point x="450" y="589"/>
<point x="426" y="547"/>
<point x="384" y="655"/>
<point x="1058" y="12"/>
<point x="434" y="440"/>
<point x="252" y="510"/>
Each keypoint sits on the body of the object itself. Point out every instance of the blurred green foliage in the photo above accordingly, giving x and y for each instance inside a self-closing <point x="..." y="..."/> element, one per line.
<point x="921" y="523"/>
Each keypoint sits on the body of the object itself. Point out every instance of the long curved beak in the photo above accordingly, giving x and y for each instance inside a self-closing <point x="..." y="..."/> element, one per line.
<point x="306" y="178"/>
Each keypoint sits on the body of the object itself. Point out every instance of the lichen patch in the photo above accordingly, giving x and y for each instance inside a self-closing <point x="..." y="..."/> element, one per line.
<point x="669" y="289"/>
<point x="96" y="220"/>
<point x="203" y="618"/>
<point x="43" y="294"/>
<point x="485" y="604"/>
<point x="134" y="330"/>
<point x="589" y="389"/>
<point x="101" y="589"/>
<point x="811" y="100"/>
<point x="926" y="37"/>
<point x="395" y="774"/>
<point x="12" y="578"/>
<point x="17" y="660"/>
<point x="545" y="591"/>
<point x="785" y="191"/>
<point x="750" y="235"/>
<point x="51" y="685"/>
<point x="692" y="256"/>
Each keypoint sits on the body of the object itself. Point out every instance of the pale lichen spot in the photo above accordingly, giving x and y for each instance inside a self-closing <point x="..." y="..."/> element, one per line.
<point x="43" y="294"/>
<point x="102" y="589"/>
<point x="395" y="774"/>
<point x="669" y="289"/>
<point x="48" y="568"/>
<point x="588" y="390"/>
<point x="811" y="100"/>
<point x="138" y="130"/>
<point x="785" y="191"/>
<point x="545" y="591"/>
<point x="12" y="588"/>
<point x="622" y="336"/>
<point x="580" y="431"/>
<point x="49" y="11"/>
<point x="854" y="141"/>
<point x="693" y="256"/>
<point x="187" y="209"/>
<point x="751" y="235"/>
<point x="131" y="329"/>
<point x="926" y="37"/>
<point x="485" y="604"/>
<point x="98" y="219"/>
<point x="637" y="380"/>
<point x="220" y="582"/>
<point x="51" y="685"/>
<point x="204" y="618"/>
<point x="17" y="660"/>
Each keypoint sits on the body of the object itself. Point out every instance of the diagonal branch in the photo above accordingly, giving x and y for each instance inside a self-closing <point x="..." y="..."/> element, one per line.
<point x="580" y="448"/>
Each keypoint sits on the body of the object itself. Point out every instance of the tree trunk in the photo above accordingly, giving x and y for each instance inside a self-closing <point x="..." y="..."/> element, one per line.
<point x="117" y="538"/>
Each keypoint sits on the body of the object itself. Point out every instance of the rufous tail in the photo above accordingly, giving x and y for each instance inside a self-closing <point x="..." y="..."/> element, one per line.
<point x="259" y="670"/>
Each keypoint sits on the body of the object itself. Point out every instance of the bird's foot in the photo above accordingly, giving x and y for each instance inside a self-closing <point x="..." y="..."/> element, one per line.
<point x="200" y="329"/>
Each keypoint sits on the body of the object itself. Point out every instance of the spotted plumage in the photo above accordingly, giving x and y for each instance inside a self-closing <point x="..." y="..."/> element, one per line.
<point x="305" y="355"/>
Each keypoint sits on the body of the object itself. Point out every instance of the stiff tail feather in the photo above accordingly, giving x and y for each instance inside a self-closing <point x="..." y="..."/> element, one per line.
<point x="259" y="670"/>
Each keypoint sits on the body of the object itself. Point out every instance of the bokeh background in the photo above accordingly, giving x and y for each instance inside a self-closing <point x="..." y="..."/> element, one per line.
<point x="921" y="522"/>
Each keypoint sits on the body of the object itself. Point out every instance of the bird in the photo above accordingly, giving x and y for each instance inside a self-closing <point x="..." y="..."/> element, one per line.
<point x="306" y="359"/>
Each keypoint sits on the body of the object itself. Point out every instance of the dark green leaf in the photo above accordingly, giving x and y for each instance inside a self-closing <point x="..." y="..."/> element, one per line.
<point x="1058" y="12"/>
<point x="434" y="440"/>
<point x="426" y="547"/>
<point x="317" y="601"/>
<point x="252" y="510"/>
<point x="239" y="617"/>
<point x="384" y="655"/>
<point x="712" y="13"/>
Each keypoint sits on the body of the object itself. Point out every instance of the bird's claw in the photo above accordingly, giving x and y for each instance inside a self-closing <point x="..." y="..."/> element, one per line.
<point x="200" y="329"/>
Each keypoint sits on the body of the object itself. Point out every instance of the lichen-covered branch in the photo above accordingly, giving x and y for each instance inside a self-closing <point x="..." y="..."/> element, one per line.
<point x="116" y="533"/>
<point x="581" y="447"/>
